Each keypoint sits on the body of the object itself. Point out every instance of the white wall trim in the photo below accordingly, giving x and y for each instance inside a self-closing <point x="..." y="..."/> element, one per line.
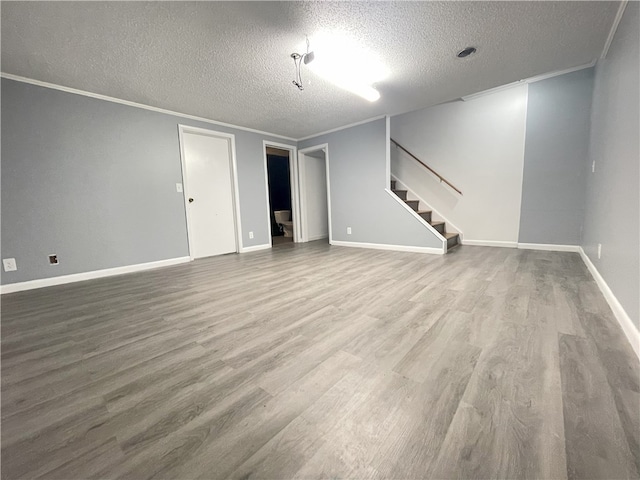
<point x="629" y="329"/>
<point x="537" y="78"/>
<point x="489" y="243"/>
<point x="84" y="93"/>
<point x="614" y="28"/>
<point x="418" y="217"/>
<point x="317" y="237"/>
<point x="231" y="138"/>
<point x="549" y="247"/>
<point x="344" y="127"/>
<point x="81" y="277"/>
<point x="255" y="248"/>
<point x="395" y="248"/>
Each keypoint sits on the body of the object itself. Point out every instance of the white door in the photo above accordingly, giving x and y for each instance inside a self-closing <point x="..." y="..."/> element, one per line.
<point x="209" y="194"/>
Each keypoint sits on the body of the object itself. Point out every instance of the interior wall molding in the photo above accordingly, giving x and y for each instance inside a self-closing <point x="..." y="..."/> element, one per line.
<point x="81" y="277"/>
<point x="549" y="247"/>
<point x="628" y="327"/>
<point x="344" y="127"/>
<point x="394" y="248"/>
<point x="614" y="28"/>
<point x="98" y="96"/>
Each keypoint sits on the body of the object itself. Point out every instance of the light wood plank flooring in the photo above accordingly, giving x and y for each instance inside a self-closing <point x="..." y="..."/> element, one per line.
<point x="311" y="361"/>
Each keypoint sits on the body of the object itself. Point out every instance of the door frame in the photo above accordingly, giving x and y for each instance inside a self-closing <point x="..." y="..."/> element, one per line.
<point x="303" y="221"/>
<point x="295" y="191"/>
<point x="231" y="139"/>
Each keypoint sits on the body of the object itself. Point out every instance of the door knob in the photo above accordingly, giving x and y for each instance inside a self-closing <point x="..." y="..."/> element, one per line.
<point x="190" y="200"/>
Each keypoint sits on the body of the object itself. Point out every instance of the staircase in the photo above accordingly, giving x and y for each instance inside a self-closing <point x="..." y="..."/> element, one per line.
<point x="453" y="239"/>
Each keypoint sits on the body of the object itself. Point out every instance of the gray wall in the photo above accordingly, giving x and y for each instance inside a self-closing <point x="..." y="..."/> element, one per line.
<point x="613" y="204"/>
<point x="94" y="182"/>
<point x="556" y="151"/>
<point x="357" y="169"/>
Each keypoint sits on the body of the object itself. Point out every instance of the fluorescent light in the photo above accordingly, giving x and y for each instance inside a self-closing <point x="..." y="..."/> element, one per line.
<point x="347" y="64"/>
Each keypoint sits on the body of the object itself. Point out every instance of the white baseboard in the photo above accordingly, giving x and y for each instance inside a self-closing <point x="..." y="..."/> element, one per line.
<point x="255" y="248"/>
<point x="549" y="247"/>
<point x="489" y="243"/>
<point x="629" y="329"/>
<point x="80" y="277"/>
<point x="395" y="248"/>
<point x="318" y="237"/>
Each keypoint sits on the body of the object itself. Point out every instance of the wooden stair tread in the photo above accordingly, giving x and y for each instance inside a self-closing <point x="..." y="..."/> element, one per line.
<point x="435" y="222"/>
<point x="423" y="211"/>
<point x="449" y="235"/>
<point x="394" y="190"/>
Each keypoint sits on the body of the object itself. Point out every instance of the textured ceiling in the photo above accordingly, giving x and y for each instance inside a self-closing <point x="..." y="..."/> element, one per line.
<point x="229" y="61"/>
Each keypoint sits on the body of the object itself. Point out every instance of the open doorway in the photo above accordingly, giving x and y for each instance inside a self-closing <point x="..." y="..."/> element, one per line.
<point x="315" y="202"/>
<point x="280" y="193"/>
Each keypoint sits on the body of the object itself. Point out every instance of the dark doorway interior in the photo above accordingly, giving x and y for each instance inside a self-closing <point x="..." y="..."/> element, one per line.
<point x="279" y="193"/>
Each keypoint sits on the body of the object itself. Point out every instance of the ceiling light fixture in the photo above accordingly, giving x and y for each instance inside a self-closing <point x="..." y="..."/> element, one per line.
<point x="466" y="52"/>
<point x="345" y="63"/>
<point x="298" y="59"/>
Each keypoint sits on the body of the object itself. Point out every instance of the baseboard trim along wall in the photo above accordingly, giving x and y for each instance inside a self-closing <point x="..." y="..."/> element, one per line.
<point x="549" y="247"/>
<point x="318" y="237"/>
<point x="629" y="329"/>
<point x="81" y="277"/>
<point x="489" y="243"/>
<point x="395" y="248"/>
<point x="255" y="248"/>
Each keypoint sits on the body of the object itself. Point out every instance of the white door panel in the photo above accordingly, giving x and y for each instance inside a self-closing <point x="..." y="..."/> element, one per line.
<point x="209" y="190"/>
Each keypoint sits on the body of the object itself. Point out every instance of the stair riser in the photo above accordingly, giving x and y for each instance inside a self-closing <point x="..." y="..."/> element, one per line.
<point x="439" y="228"/>
<point x="453" y="242"/>
<point x="413" y="204"/>
<point x="401" y="193"/>
<point x="393" y="184"/>
<point x="426" y="216"/>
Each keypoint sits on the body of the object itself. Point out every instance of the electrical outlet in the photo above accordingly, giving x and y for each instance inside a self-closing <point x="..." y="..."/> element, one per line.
<point x="593" y="167"/>
<point x="599" y="250"/>
<point x="53" y="259"/>
<point x="250" y="234"/>
<point x="348" y="230"/>
<point x="179" y="187"/>
<point x="9" y="264"/>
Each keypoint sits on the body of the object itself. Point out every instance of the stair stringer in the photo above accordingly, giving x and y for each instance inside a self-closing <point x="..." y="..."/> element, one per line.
<point x="419" y="218"/>
<point x="438" y="215"/>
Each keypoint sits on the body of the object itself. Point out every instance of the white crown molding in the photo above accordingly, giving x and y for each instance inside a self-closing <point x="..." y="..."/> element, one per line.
<point x="255" y="248"/>
<point x="629" y="329"/>
<point x="549" y="247"/>
<point x="81" y="277"/>
<point x="614" y="28"/>
<point x="395" y="248"/>
<point x="344" y="127"/>
<point x="98" y="96"/>
<point x="527" y="81"/>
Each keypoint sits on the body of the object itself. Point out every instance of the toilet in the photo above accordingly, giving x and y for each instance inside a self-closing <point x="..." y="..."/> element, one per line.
<point x="282" y="217"/>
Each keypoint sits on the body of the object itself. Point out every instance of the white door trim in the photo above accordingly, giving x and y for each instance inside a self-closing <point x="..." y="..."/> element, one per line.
<point x="325" y="148"/>
<point x="295" y="193"/>
<point x="182" y="129"/>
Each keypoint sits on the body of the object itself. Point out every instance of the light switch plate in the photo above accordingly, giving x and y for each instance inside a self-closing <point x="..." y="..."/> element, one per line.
<point x="9" y="264"/>
<point x="179" y="187"/>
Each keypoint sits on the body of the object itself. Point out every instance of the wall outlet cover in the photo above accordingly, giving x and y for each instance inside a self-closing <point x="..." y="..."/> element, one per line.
<point x="250" y="234"/>
<point x="53" y="259"/>
<point x="9" y="264"/>
<point x="348" y="230"/>
<point x="179" y="187"/>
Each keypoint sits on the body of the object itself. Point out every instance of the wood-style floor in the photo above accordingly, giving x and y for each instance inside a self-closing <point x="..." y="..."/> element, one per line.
<point x="323" y="362"/>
